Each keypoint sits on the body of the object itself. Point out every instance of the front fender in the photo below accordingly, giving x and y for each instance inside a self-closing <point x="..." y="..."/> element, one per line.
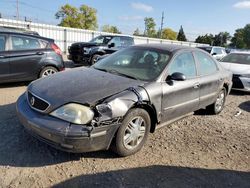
<point x="97" y="50"/>
<point x="116" y="106"/>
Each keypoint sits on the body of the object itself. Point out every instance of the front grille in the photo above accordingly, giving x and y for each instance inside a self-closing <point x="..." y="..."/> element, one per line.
<point x="37" y="103"/>
<point x="75" y="49"/>
<point x="237" y="82"/>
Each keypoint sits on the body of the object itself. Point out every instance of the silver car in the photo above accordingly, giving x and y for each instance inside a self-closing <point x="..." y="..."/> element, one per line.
<point x="123" y="97"/>
<point x="239" y="64"/>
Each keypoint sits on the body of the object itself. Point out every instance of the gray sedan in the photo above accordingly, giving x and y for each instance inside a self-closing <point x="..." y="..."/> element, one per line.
<point x="122" y="98"/>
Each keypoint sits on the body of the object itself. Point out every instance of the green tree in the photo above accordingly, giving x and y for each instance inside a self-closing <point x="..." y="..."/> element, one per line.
<point x="205" y="39"/>
<point x="83" y="18"/>
<point x="181" y="35"/>
<point x="149" y="27"/>
<point x="221" y="39"/>
<point x="110" y="29"/>
<point x="168" y="33"/>
<point x="237" y="40"/>
<point x="137" y="32"/>
<point x="246" y="35"/>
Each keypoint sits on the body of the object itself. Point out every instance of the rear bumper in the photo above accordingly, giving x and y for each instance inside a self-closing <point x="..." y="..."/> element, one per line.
<point x="241" y="83"/>
<point x="61" y="134"/>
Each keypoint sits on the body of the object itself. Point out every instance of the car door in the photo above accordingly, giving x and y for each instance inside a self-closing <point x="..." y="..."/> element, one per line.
<point x="25" y="55"/>
<point x="180" y="97"/>
<point x="4" y="60"/>
<point x="209" y="78"/>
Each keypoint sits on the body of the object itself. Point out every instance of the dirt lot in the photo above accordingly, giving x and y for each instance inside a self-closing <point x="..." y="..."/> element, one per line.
<point x="199" y="151"/>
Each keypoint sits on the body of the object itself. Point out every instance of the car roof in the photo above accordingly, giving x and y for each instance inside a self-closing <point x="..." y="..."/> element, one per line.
<point x="116" y="36"/>
<point x="241" y="52"/>
<point x="168" y="47"/>
<point x="25" y="34"/>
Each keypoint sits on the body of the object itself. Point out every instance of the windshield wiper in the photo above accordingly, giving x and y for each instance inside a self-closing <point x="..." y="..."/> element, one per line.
<point x="112" y="71"/>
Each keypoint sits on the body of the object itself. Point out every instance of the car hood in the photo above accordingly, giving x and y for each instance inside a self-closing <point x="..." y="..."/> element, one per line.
<point x="85" y="44"/>
<point x="80" y="85"/>
<point x="236" y="68"/>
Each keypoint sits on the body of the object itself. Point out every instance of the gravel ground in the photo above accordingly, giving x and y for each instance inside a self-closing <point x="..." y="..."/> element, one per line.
<point x="198" y="151"/>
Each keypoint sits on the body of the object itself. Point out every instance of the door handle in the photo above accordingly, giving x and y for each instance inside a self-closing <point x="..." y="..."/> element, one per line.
<point x="1" y="56"/>
<point x="39" y="53"/>
<point x="196" y="85"/>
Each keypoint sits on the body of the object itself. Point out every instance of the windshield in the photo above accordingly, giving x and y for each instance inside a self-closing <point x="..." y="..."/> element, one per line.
<point x="101" y="39"/>
<point x="135" y="62"/>
<point x="207" y="49"/>
<point x="238" y="58"/>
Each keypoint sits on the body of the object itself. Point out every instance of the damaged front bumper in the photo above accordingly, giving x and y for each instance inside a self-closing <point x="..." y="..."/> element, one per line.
<point x="64" y="135"/>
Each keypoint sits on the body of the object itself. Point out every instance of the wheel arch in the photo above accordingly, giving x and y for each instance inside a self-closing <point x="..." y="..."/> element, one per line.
<point x="150" y="109"/>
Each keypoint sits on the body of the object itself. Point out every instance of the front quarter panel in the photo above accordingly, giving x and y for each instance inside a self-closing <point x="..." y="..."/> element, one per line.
<point x="117" y="106"/>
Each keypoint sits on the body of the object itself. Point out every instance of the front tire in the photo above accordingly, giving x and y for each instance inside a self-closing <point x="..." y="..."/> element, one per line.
<point x="94" y="58"/>
<point x="133" y="132"/>
<point x="218" y="105"/>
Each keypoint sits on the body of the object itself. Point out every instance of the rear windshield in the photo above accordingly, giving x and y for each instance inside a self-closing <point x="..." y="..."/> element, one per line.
<point x="207" y="49"/>
<point x="238" y="58"/>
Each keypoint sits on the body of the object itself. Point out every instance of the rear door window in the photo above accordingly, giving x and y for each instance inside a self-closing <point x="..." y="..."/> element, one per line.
<point x="206" y="64"/>
<point x="2" y="42"/>
<point x="25" y="43"/>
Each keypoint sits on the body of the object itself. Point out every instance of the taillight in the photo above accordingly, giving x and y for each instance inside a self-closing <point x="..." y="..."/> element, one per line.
<point x="56" y="49"/>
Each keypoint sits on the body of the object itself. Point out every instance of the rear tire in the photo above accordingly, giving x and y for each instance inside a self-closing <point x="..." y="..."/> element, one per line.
<point x="133" y="132"/>
<point x="47" y="71"/>
<point x="218" y="105"/>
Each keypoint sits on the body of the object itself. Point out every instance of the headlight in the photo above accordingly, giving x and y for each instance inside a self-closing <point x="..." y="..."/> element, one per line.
<point x="86" y="50"/>
<point x="74" y="113"/>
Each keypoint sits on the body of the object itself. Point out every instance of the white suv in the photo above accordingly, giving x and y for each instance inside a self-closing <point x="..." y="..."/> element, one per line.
<point x="216" y="51"/>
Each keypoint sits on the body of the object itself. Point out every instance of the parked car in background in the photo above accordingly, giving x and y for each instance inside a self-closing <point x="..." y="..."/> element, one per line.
<point x="89" y="52"/>
<point x="216" y="51"/>
<point x="26" y="57"/>
<point x="123" y="97"/>
<point x="239" y="64"/>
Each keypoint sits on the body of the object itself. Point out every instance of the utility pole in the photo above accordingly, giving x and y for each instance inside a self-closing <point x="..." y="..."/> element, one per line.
<point x="17" y="10"/>
<point x="162" y="19"/>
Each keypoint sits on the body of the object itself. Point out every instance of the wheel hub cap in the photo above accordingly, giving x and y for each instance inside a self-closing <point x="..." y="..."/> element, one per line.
<point x="134" y="132"/>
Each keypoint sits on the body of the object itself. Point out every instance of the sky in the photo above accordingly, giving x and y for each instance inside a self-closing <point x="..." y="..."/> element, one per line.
<point x="198" y="17"/>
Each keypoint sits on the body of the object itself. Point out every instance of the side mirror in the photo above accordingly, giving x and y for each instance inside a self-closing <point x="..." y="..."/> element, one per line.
<point x="214" y="53"/>
<point x="111" y="45"/>
<point x="177" y="76"/>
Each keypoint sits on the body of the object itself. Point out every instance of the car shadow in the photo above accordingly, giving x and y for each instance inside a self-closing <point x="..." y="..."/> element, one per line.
<point x="71" y="64"/>
<point x="238" y="93"/>
<point x="245" y="106"/>
<point x="19" y="149"/>
<point x="14" y="84"/>
<point x="161" y="176"/>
